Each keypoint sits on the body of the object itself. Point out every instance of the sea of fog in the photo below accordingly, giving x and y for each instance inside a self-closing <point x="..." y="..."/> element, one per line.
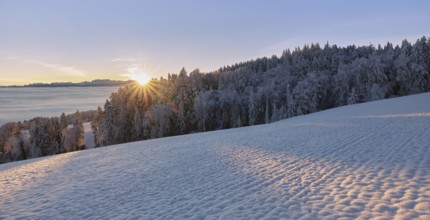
<point x="19" y="104"/>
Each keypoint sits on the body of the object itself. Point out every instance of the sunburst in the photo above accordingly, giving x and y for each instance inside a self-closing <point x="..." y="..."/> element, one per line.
<point x="151" y="93"/>
<point x="141" y="77"/>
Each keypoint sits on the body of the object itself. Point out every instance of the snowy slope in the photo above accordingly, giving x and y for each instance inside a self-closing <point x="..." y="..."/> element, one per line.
<point x="363" y="161"/>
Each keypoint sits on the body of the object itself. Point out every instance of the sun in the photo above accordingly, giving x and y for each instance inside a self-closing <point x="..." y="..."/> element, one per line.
<point x="142" y="79"/>
<point x="136" y="73"/>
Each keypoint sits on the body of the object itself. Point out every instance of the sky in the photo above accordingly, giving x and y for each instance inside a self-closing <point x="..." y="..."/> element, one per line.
<point x="79" y="40"/>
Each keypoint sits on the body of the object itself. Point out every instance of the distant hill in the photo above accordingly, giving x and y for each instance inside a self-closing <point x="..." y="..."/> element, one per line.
<point x="94" y="83"/>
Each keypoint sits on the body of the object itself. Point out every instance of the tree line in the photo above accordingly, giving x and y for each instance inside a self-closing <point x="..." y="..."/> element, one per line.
<point x="41" y="136"/>
<point x="302" y="81"/>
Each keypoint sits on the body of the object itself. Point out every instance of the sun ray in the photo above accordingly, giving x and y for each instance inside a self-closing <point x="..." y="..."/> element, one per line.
<point x="149" y="93"/>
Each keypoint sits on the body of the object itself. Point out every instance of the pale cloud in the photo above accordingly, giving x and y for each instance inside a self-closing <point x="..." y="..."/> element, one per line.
<point x="132" y="71"/>
<point x="10" y="58"/>
<point x="135" y="72"/>
<point x="123" y="59"/>
<point x="68" y="70"/>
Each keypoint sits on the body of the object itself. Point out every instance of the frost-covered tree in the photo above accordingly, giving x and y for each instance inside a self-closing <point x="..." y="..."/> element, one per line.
<point x="306" y="95"/>
<point x="420" y="68"/>
<point x="200" y="106"/>
<point x="137" y="131"/>
<point x="74" y="135"/>
<point x="267" y="112"/>
<point x="95" y="123"/>
<point x="14" y="146"/>
<point x="290" y="103"/>
<point x="78" y="126"/>
<point x="161" y="116"/>
<point x="55" y="134"/>
<point x="251" y="108"/>
<point x="352" y="99"/>
<point x="107" y="127"/>
<point x="180" y="119"/>
<point x="40" y="138"/>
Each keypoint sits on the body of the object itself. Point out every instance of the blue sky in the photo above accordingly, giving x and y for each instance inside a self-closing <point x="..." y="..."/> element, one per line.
<point x="77" y="40"/>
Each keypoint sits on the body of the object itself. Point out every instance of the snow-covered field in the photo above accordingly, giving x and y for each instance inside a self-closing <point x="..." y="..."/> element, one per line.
<point x="362" y="161"/>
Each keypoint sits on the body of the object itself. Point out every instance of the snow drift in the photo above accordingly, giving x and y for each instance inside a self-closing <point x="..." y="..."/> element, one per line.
<point x="362" y="161"/>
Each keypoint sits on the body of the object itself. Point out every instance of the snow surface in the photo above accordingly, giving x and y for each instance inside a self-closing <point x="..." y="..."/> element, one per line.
<point x="89" y="136"/>
<point x="363" y="161"/>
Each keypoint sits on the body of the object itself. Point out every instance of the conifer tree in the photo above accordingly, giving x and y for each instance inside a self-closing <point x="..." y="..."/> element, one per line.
<point x="181" y="119"/>
<point x="251" y="108"/>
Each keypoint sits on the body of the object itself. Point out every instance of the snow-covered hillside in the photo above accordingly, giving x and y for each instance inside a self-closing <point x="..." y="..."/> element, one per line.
<point x="362" y="161"/>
